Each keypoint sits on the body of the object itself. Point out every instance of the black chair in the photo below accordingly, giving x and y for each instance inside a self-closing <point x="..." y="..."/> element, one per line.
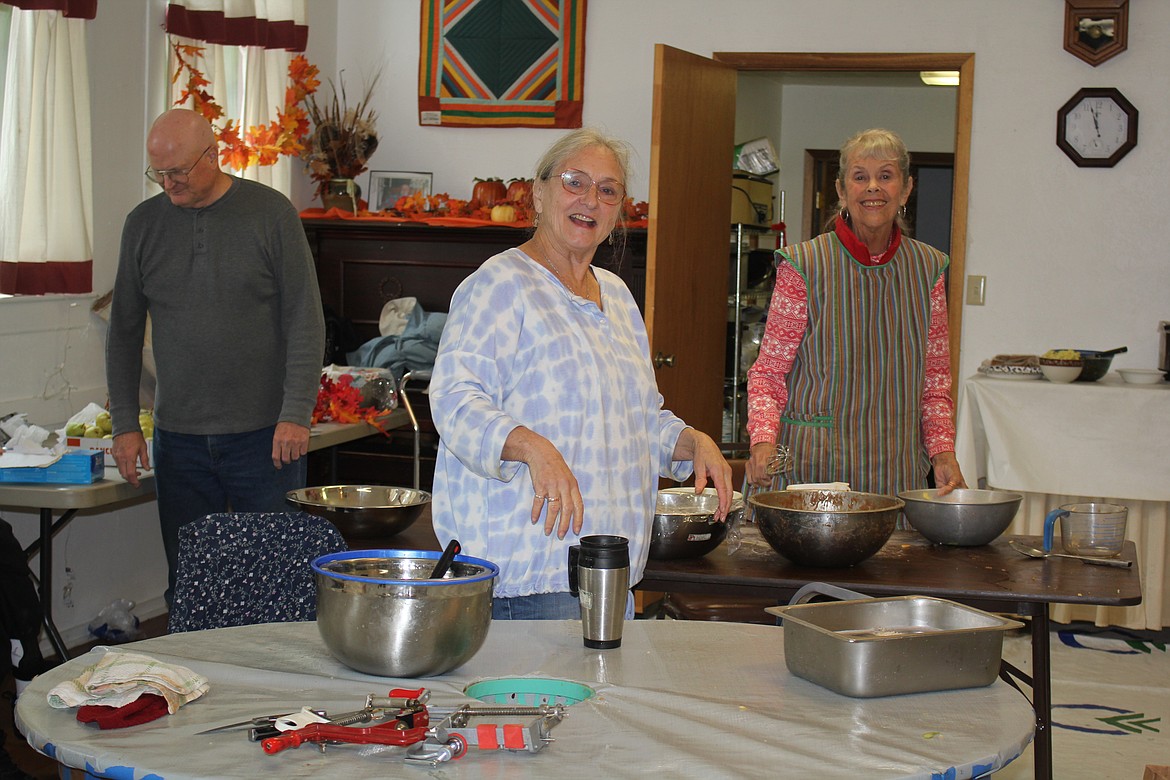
<point x="238" y="569"/>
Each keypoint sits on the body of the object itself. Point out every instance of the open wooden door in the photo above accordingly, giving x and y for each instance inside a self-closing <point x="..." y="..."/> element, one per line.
<point x="688" y="249"/>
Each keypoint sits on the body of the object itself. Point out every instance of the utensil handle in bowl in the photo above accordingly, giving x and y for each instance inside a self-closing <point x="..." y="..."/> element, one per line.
<point x="449" y="553"/>
<point x="806" y="593"/>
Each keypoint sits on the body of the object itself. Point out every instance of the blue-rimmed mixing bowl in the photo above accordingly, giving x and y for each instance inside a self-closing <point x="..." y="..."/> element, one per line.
<point x="380" y="613"/>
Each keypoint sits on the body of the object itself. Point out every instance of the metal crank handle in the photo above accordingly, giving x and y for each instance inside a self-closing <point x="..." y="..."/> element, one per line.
<point x="432" y="753"/>
<point x="399" y="699"/>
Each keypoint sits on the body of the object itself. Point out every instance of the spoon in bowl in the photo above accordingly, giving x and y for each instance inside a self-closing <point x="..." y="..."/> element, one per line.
<point x="1032" y="552"/>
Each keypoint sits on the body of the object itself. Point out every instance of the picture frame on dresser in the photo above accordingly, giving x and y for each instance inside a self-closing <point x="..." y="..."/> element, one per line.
<point x="386" y="187"/>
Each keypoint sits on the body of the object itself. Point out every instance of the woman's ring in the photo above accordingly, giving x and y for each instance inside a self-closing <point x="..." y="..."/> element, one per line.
<point x="550" y="499"/>
<point x="540" y="497"/>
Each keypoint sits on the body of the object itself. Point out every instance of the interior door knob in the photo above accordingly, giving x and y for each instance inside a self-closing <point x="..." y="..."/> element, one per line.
<point x="663" y="361"/>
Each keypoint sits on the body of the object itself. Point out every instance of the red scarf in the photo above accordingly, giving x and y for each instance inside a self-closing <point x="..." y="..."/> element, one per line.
<point x="859" y="250"/>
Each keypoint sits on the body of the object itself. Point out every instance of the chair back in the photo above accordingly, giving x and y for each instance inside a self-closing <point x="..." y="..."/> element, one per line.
<point x="237" y="569"/>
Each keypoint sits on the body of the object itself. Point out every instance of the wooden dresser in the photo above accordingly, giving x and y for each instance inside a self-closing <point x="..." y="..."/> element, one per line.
<point x="361" y="264"/>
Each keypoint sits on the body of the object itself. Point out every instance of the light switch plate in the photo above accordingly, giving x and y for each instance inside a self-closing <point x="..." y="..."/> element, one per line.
<point x="976" y="290"/>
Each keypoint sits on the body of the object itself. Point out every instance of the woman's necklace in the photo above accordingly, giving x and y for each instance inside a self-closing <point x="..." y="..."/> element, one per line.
<point x="565" y="281"/>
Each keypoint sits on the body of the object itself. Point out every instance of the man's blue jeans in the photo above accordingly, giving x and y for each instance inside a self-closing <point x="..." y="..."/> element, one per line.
<point x="197" y="475"/>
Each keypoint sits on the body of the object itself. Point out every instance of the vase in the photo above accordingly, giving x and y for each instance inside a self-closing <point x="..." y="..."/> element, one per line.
<point x="341" y="194"/>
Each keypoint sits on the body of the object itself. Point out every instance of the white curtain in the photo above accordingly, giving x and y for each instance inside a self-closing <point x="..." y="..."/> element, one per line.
<point x="46" y="203"/>
<point x="245" y="63"/>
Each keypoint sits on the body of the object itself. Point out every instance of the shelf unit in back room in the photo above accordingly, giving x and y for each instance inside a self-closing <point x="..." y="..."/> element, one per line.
<point x="751" y="274"/>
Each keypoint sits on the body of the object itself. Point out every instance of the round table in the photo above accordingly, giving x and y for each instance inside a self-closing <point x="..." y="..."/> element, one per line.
<point x="677" y="699"/>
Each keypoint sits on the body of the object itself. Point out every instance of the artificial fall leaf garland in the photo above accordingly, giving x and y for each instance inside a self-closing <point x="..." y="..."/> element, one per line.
<point x="257" y="145"/>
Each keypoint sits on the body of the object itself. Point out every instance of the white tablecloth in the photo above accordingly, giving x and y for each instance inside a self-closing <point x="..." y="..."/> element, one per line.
<point x="678" y="699"/>
<point x="1084" y="441"/>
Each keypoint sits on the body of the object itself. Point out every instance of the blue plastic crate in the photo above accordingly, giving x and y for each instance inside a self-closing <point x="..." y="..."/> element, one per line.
<point x="72" y="468"/>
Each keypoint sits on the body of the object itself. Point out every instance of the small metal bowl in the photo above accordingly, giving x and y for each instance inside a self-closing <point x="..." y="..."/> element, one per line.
<point x="964" y="517"/>
<point x="830" y="528"/>
<point x="685" y="525"/>
<point x="363" y="511"/>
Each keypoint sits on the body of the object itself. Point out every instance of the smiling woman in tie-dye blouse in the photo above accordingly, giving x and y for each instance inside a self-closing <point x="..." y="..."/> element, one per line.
<point x="545" y="400"/>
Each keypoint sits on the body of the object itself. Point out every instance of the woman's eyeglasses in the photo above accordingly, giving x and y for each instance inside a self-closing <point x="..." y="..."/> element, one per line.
<point x="608" y="192"/>
<point x="177" y="175"/>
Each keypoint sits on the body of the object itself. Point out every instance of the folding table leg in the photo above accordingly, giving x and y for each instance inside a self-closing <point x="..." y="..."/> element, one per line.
<point x="1042" y="693"/>
<point x="46" y="583"/>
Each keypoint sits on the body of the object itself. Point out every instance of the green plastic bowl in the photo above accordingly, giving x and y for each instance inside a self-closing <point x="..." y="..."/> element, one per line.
<point x="529" y="691"/>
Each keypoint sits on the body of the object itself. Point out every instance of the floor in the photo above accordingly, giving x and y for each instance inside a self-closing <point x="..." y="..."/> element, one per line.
<point x="1111" y="704"/>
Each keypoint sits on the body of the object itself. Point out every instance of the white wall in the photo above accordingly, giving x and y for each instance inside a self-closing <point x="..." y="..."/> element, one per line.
<point x="1072" y="256"/>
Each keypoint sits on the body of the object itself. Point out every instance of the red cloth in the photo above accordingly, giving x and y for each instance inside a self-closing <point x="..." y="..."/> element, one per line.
<point x="144" y="709"/>
<point x="859" y="250"/>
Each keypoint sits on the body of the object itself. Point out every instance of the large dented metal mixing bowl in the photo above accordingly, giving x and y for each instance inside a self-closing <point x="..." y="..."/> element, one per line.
<point x="380" y="612"/>
<point x="829" y="528"/>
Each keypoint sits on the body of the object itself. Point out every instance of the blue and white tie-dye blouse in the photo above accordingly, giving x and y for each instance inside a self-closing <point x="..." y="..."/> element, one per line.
<point x="520" y="349"/>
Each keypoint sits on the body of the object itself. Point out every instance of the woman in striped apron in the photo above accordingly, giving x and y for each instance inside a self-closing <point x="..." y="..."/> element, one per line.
<point x="854" y="373"/>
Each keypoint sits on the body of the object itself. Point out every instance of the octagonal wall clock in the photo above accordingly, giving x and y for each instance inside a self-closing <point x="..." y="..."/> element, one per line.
<point x="1097" y="127"/>
<point x="1096" y="30"/>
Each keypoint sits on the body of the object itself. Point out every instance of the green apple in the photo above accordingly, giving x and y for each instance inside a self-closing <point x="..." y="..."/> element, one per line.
<point x="75" y="429"/>
<point x="94" y="432"/>
<point x="104" y="422"/>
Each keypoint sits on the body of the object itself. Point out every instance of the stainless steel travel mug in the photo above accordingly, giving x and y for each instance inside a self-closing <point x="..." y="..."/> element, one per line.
<point x="599" y="575"/>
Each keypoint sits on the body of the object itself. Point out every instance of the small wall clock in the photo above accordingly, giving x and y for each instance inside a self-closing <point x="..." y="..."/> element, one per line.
<point x="1097" y="127"/>
<point x="1096" y="30"/>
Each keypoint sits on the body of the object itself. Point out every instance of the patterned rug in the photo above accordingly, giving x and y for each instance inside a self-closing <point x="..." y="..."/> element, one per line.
<point x="1110" y="702"/>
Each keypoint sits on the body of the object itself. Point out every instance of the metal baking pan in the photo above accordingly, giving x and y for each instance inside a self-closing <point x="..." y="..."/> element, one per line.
<point x="867" y="647"/>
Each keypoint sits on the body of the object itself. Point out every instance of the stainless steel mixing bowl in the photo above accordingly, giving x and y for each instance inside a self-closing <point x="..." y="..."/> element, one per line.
<point x="380" y="613"/>
<point x="685" y="525"/>
<point x="363" y="510"/>
<point x="830" y="528"/>
<point x="963" y="517"/>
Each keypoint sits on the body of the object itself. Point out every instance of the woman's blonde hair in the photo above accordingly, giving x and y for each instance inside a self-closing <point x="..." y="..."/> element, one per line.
<point x="577" y="141"/>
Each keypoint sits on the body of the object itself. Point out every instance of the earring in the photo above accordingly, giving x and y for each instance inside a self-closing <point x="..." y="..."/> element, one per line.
<point x="845" y="216"/>
<point x="611" y="239"/>
<point x="536" y="220"/>
<point x="904" y="211"/>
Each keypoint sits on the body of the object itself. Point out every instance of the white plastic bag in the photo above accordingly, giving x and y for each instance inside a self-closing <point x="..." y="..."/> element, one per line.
<point x="116" y="623"/>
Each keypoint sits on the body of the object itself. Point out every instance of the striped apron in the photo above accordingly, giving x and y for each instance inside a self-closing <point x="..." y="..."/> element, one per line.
<point x="855" y="390"/>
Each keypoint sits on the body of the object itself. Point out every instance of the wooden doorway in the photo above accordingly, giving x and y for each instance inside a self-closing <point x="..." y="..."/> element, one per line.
<point x="964" y="63"/>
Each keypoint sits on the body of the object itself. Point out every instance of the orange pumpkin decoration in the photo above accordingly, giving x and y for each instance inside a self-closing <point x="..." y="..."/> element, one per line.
<point x="520" y="192"/>
<point x="488" y="192"/>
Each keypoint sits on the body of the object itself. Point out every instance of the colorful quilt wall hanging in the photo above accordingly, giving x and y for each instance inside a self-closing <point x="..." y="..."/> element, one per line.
<point x="501" y="63"/>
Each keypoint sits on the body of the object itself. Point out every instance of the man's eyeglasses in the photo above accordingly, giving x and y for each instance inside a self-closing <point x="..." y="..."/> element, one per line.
<point x="177" y="175"/>
<point x="577" y="183"/>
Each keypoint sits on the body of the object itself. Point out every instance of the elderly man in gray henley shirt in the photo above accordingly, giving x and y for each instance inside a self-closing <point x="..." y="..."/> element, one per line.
<point x="223" y="268"/>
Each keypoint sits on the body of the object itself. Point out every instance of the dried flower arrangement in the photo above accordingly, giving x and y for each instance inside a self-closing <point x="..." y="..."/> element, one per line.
<point x="343" y="138"/>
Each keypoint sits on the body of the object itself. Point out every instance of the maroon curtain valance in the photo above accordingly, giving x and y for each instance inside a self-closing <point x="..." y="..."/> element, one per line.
<point x="214" y="26"/>
<point x="74" y="9"/>
<point x="44" y="278"/>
